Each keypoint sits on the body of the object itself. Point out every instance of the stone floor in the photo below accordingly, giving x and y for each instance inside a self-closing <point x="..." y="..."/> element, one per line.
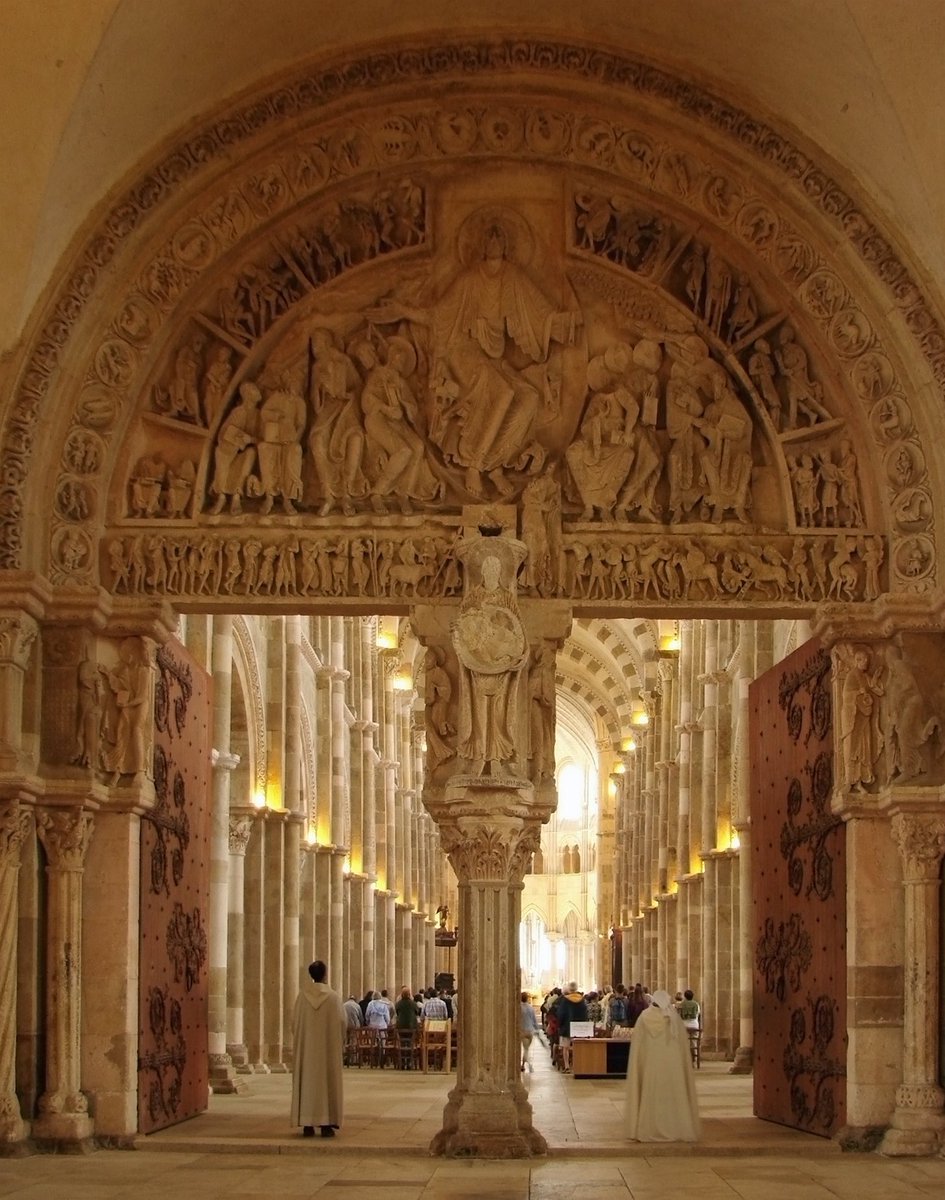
<point x="243" y="1147"/>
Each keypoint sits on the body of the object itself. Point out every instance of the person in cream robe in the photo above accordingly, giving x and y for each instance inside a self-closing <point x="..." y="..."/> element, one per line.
<point x="318" y="1052"/>
<point x="661" y="1101"/>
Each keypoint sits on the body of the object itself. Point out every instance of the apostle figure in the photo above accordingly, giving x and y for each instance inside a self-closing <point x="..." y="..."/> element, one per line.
<point x="321" y="1027"/>
<point x="661" y="1101"/>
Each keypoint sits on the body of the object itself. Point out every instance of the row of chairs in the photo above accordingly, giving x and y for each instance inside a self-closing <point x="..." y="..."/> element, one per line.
<point x="433" y="1046"/>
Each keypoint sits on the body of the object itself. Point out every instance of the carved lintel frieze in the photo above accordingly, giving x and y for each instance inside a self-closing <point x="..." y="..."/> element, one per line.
<point x="15" y="823"/>
<point x="65" y="834"/>
<point x="921" y="841"/>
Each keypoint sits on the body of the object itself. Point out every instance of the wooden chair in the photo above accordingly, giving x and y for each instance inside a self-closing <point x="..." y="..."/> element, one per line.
<point x="351" y="1047"/>
<point x="695" y="1046"/>
<point x="404" y="1048"/>
<point x="436" y="1044"/>
<point x="369" y="1046"/>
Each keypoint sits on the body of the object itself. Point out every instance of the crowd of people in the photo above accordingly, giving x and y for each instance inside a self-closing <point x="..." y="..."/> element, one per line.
<point x="660" y="1100"/>
<point x="661" y="1097"/>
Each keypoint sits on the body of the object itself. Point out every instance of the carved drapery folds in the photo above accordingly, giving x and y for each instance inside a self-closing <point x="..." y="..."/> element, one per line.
<point x="888" y="694"/>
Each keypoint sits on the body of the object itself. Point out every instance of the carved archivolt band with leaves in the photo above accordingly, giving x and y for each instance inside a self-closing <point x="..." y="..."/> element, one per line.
<point x="324" y="160"/>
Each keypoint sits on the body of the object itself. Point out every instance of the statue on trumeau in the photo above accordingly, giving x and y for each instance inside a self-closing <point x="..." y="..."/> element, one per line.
<point x="541" y="714"/>
<point x="127" y="723"/>
<point x="490" y="644"/>
<point x="859" y="683"/>
<point x="437" y="694"/>
<point x="908" y="724"/>
<point x="88" y="716"/>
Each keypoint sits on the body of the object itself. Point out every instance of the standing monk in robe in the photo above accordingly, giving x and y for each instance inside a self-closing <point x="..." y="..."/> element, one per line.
<point x="318" y="1053"/>
<point x="661" y="1091"/>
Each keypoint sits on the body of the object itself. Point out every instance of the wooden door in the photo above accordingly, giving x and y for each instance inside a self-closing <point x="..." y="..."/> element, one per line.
<point x="173" y="1065"/>
<point x="799" y="890"/>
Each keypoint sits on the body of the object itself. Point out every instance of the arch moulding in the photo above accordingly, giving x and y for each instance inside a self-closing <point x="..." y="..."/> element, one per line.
<point x="501" y="282"/>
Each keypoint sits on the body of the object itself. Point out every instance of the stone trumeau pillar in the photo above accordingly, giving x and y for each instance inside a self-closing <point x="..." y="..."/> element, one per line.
<point x="489" y="789"/>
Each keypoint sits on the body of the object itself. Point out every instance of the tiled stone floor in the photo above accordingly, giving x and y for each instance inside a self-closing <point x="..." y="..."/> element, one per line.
<point x="243" y="1148"/>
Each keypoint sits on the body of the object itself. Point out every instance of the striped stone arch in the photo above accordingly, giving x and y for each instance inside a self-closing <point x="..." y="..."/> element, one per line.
<point x="588" y="699"/>
<point x="229" y="241"/>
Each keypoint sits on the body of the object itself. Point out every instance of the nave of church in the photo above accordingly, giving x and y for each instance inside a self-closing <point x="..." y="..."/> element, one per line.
<point x="468" y="506"/>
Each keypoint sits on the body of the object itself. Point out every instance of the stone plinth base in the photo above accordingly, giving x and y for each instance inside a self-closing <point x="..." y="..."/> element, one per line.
<point x="488" y="1125"/>
<point x="914" y="1133"/>
<point x="223" y="1081"/>
<point x="66" y="1131"/>
<point x="13" y="1133"/>
<point x="743" y="1062"/>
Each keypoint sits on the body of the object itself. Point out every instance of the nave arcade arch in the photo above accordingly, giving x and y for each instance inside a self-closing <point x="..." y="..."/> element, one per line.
<point x="534" y="292"/>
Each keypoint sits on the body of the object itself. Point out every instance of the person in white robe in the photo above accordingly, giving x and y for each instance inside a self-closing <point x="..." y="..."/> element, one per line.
<point x="320" y="1029"/>
<point x="661" y="1103"/>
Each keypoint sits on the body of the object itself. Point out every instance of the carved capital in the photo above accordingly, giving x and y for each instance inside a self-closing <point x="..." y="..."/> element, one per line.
<point x="490" y="850"/>
<point x="17" y="634"/>
<point x="65" y="834"/>
<point x="921" y="841"/>
<point x="667" y="669"/>
<point x="241" y="829"/>
<point x="224" y="760"/>
<point x="14" y="827"/>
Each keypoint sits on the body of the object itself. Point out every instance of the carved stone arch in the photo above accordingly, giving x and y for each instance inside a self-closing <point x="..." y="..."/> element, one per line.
<point x="637" y="170"/>
<point x="534" y="909"/>
<point x="570" y="925"/>
<point x="622" y="650"/>
<point x="577" y="694"/>
<point x="247" y="667"/>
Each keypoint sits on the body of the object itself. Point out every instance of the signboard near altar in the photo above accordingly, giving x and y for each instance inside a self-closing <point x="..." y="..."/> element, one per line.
<point x="444" y="937"/>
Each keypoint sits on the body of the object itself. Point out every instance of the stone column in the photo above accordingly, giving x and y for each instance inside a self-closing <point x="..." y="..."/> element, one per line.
<point x="274" y="944"/>
<point x="63" y="1108"/>
<point x="918" y="1120"/>
<point x="15" y="822"/>
<point x="240" y="828"/>
<point x="489" y="798"/>
<point x="222" y="1075"/>
<point x="488" y="1113"/>
<point x="744" y="1053"/>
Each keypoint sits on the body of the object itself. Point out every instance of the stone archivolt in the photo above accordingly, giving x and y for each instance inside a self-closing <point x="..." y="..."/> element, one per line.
<point x="765" y="375"/>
